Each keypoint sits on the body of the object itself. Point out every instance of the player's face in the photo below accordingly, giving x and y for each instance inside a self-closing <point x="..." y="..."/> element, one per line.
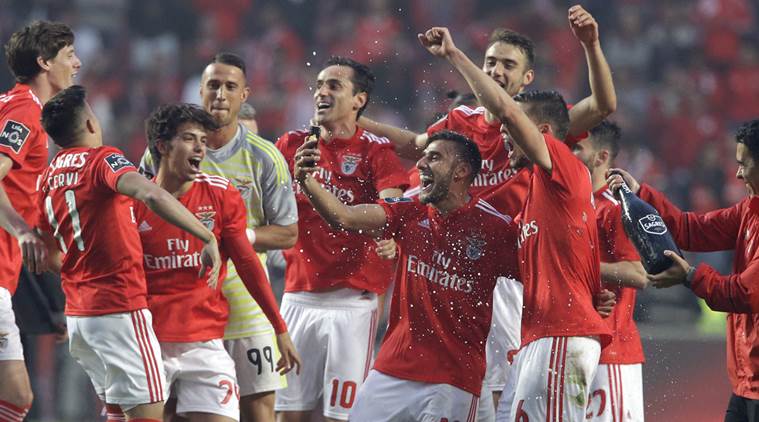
<point x="63" y="68"/>
<point x="436" y="169"/>
<point x="185" y="151"/>
<point x="334" y="100"/>
<point x="517" y="158"/>
<point x="507" y="65"/>
<point x="223" y="90"/>
<point x="748" y="171"/>
<point x="585" y="152"/>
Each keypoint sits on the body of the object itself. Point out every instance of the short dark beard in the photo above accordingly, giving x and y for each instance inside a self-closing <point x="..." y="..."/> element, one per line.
<point x="439" y="190"/>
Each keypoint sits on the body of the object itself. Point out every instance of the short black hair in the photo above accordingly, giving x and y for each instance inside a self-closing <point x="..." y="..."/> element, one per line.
<point x="62" y="115"/>
<point x="524" y="43"/>
<point x="748" y="134"/>
<point x="247" y="112"/>
<point x="164" y="121"/>
<point x="546" y="107"/>
<point x="363" y="79"/>
<point x="230" y="59"/>
<point x="467" y="98"/>
<point x="38" y="39"/>
<point x="465" y="147"/>
<point x="606" y="135"/>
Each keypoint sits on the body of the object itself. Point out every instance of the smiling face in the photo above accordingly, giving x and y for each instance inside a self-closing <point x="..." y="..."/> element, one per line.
<point x="63" y="68"/>
<point x="181" y="156"/>
<point x="223" y="90"/>
<point x="507" y="65"/>
<point x="334" y="99"/>
<point x="748" y="171"/>
<point x="436" y="171"/>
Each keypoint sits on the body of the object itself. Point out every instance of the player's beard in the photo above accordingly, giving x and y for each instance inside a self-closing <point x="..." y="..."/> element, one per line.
<point x="440" y="187"/>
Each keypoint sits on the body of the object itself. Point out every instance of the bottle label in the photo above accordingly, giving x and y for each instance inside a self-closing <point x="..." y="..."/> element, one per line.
<point x="653" y="224"/>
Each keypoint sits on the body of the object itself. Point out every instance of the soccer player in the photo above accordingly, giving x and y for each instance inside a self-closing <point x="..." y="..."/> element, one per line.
<point x="259" y="172"/>
<point x="432" y="360"/>
<point x="616" y="392"/>
<point x="86" y="196"/>
<point x="42" y="59"/>
<point x="735" y="228"/>
<point x="188" y="317"/>
<point x="333" y="277"/>
<point x="559" y="318"/>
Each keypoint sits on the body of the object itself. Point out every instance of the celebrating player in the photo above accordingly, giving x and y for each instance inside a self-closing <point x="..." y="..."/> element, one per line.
<point x="432" y="360"/>
<point x="616" y="392"/>
<point x="42" y="59"/>
<point x="333" y="277"/>
<point x="85" y="196"/>
<point x="259" y="172"/>
<point x="735" y="228"/>
<point x="189" y="317"/>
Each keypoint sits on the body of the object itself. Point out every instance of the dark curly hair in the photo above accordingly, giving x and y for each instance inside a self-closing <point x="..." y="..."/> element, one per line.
<point x="522" y="42"/>
<point x="163" y="123"/>
<point x="748" y="134"/>
<point x="363" y="79"/>
<point x="465" y="147"/>
<point x="38" y="39"/>
<point x="546" y="107"/>
<point x="62" y="115"/>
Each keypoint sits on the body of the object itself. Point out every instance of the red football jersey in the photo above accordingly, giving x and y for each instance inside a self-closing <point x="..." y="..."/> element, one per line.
<point x="558" y="253"/>
<point x="495" y="155"/>
<point x="625" y="346"/>
<point x="442" y="301"/>
<point x="184" y="307"/>
<point x="24" y="141"/>
<point x="95" y="228"/>
<point x="355" y="170"/>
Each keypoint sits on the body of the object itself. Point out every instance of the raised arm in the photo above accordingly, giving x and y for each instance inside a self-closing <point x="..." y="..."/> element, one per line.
<point x="602" y="101"/>
<point x="408" y="144"/>
<point x="523" y="131"/>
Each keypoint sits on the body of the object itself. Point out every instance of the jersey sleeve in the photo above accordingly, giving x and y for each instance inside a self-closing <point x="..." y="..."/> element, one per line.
<point x="619" y="246"/>
<point x="110" y="166"/>
<point x="395" y="212"/>
<point x="18" y="130"/>
<point x="387" y="169"/>
<point x="442" y="123"/>
<point x="566" y="169"/>
<point x="233" y="217"/>
<point x="147" y="166"/>
<point x="278" y="195"/>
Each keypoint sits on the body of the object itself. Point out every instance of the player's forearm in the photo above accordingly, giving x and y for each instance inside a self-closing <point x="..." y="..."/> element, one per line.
<point x="366" y="218"/>
<point x="273" y="237"/>
<point x="727" y="293"/>
<point x="171" y="210"/>
<point x="10" y="219"/>
<point x="407" y="143"/>
<point x="589" y="112"/>
<point x="624" y="273"/>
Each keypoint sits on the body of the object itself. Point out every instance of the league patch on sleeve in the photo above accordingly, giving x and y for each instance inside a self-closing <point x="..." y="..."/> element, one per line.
<point x="397" y="200"/>
<point x="117" y="162"/>
<point x="14" y="135"/>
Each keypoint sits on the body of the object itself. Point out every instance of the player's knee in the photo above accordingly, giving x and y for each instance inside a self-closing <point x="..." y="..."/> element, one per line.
<point x="20" y="397"/>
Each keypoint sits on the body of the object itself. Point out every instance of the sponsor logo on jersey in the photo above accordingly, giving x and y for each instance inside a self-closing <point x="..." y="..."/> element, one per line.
<point x="14" y="135"/>
<point x="117" y="162"/>
<point x="349" y="164"/>
<point x="397" y="199"/>
<point x="474" y="247"/>
<point x="526" y="230"/>
<point x="653" y="224"/>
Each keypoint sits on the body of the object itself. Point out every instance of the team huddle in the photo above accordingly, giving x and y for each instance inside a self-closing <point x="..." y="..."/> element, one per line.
<point x="513" y="282"/>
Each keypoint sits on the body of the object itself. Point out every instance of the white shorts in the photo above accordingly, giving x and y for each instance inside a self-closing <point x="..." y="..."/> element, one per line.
<point x="505" y="331"/>
<point x="334" y="333"/>
<point x="255" y="360"/>
<point x="486" y="406"/>
<point x="121" y="355"/>
<point x="616" y="394"/>
<point x="202" y="377"/>
<point x="384" y="398"/>
<point x="10" y="340"/>
<point x="503" y="412"/>
<point x="553" y="377"/>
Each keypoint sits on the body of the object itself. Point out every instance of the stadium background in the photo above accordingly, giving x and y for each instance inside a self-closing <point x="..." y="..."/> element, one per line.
<point x="686" y="73"/>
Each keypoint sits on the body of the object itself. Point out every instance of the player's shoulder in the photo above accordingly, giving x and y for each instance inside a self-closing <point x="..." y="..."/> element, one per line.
<point x="291" y="139"/>
<point x="373" y="140"/>
<point x="488" y="213"/>
<point x="213" y="183"/>
<point x="264" y="150"/>
<point x="461" y="118"/>
<point x="464" y="111"/>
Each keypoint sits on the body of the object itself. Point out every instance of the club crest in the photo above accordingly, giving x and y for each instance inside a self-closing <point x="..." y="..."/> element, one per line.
<point x="475" y="247"/>
<point x="244" y="186"/>
<point x="349" y="164"/>
<point x="206" y="216"/>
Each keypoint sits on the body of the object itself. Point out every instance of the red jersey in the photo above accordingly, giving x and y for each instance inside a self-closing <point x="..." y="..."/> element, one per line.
<point x="95" y="229"/>
<point x="495" y="155"/>
<point x="184" y="307"/>
<point x="355" y="170"/>
<point x="23" y="140"/>
<point x="735" y="228"/>
<point x="558" y="253"/>
<point x="442" y="302"/>
<point x="614" y="246"/>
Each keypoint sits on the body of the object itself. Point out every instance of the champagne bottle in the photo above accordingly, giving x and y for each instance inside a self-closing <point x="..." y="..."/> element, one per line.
<point x="647" y="231"/>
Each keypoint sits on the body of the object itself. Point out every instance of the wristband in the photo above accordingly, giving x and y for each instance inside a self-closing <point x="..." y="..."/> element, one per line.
<point x="689" y="276"/>
<point x="251" y="234"/>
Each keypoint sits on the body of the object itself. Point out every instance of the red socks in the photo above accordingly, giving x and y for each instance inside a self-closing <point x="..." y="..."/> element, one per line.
<point x="114" y="413"/>
<point x="12" y="413"/>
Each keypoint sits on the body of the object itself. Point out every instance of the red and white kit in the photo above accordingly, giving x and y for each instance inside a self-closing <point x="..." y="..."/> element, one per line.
<point x="333" y="277"/>
<point x="441" y="307"/>
<point x="560" y="270"/>
<point x="616" y="392"/>
<point x="188" y="316"/>
<point x="110" y="329"/>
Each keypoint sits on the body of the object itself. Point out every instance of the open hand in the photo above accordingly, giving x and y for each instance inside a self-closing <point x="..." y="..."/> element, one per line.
<point x="672" y="276"/>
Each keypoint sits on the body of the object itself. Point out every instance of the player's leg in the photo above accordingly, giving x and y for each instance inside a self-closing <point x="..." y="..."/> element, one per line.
<point x="350" y="349"/>
<point x="305" y="320"/>
<point x="632" y="392"/>
<point x="383" y="398"/>
<point x="444" y="402"/>
<point x="258" y="406"/>
<point x="255" y="358"/>
<point x="601" y="405"/>
<point x="503" y="409"/>
<point x="486" y="406"/>
<point x="737" y="410"/>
